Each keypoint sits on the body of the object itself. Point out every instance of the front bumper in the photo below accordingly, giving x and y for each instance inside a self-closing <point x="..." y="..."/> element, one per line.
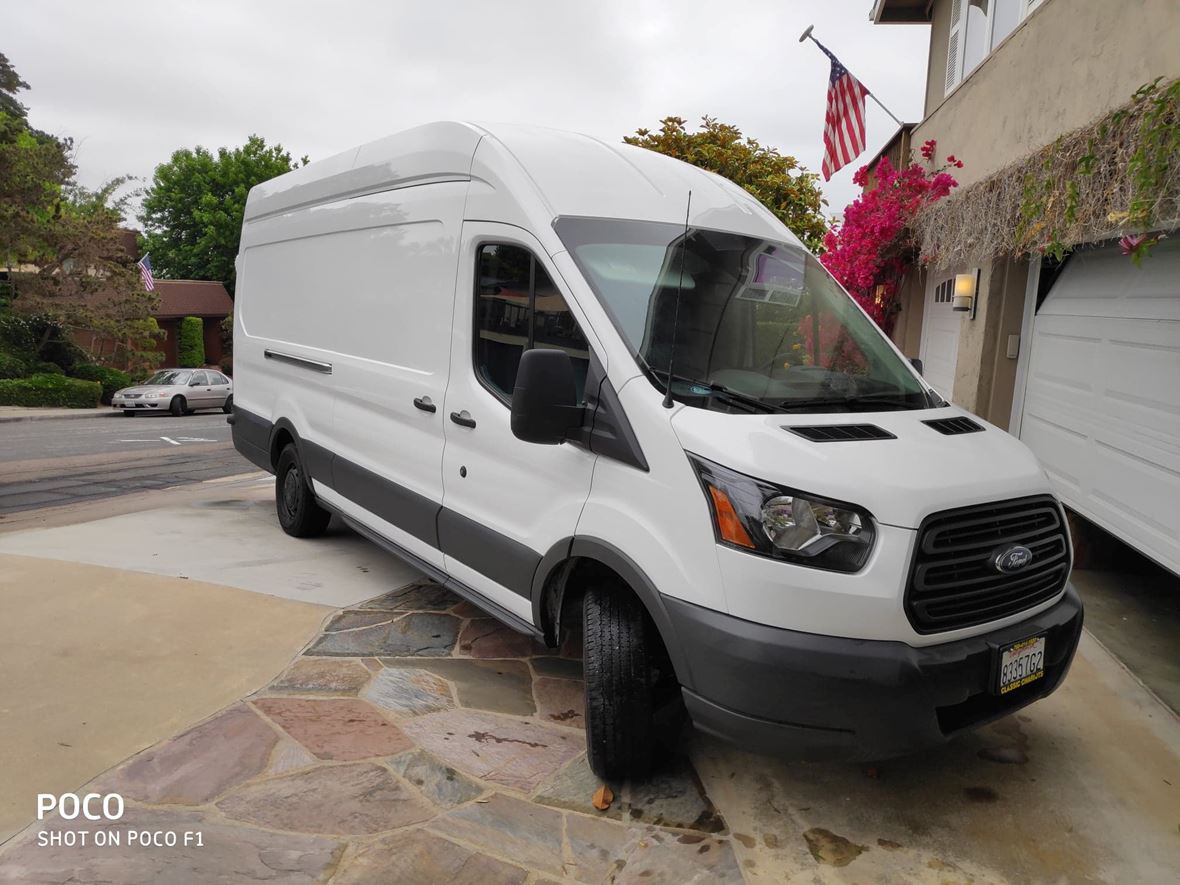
<point x="823" y="697"/>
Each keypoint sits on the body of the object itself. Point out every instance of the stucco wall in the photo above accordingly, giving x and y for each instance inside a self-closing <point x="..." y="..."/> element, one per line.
<point x="1068" y="62"/>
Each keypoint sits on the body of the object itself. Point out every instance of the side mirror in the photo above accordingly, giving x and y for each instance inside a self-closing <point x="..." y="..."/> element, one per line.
<point x="916" y="363"/>
<point x="194" y="383"/>
<point x="544" y="401"/>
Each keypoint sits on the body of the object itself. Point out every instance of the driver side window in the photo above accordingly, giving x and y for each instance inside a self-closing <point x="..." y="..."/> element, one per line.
<point x="517" y="308"/>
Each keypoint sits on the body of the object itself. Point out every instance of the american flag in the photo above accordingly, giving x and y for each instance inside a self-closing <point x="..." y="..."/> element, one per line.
<point x="844" y="120"/>
<point x="145" y="272"/>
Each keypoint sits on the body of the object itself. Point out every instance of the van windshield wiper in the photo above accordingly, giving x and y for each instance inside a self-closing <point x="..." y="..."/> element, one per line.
<point x="721" y="392"/>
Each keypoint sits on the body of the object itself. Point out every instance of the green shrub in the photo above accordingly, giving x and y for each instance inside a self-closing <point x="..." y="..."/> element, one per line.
<point x="50" y="390"/>
<point x="226" y="364"/>
<point x="190" y="343"/>
<point x="12" y="366"/>
<point x="110" y="379"/>
<point x="47" y="368"/>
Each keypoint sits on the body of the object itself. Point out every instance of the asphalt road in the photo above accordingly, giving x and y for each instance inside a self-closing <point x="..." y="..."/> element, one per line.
<point x="50" y="462"/>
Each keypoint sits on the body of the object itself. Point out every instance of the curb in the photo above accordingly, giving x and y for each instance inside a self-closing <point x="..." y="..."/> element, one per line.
<point x="8" y="419"/>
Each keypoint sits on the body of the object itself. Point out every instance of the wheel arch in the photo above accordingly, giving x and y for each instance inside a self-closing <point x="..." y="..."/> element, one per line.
<point x="573" y="561"/>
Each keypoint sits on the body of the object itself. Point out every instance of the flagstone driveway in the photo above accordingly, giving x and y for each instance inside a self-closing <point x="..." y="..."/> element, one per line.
<point x="415" y="740"/>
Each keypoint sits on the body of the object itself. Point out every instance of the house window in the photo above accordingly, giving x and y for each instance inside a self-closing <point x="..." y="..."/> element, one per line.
<point x="518" y="307"/>
<point x="945" y="292"/>
<point x="976" y="28"/>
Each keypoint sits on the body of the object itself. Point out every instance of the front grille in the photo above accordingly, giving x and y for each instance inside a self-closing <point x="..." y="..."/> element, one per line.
<point x="132" y="395"/>
<point x="840" y="432"/>
<point x="953" y="583"/>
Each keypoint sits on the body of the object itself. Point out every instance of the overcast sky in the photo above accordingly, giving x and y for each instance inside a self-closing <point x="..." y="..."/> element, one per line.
<point x="133" y="80"/>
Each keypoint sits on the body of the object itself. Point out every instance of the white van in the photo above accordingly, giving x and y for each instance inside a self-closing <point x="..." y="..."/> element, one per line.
<point x="502" y="353"/>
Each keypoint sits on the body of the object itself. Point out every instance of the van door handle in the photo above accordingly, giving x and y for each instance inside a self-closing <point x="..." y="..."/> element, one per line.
<point x="463" y="418"/>
<point x="424" y="403"/>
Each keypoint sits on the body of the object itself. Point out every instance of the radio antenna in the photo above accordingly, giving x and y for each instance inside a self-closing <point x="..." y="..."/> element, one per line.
<point x="676" y="314"/>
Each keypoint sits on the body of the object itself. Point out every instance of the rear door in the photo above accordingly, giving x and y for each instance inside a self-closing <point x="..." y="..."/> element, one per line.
<point x="220" y="387"/>
<point x="506" y="502"/>
<point x="200" y="391"/>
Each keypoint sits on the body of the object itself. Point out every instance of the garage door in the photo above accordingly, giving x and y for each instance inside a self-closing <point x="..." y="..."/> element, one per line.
<point x="1102" y="404"/>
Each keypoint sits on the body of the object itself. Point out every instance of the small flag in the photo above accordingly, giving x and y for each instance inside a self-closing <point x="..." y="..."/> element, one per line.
<point x="145" y="272"/>
<point x="844" y="120"/>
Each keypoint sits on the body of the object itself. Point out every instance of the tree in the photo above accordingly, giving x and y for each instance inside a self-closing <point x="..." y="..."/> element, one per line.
<point x="775" y="180"/>
<point x="192" y="210"/>
<point x="190" y="343"/>
<point x="61" y="244"/>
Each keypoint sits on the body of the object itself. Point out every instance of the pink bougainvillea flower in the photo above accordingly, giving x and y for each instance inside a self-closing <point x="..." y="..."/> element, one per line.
<point x="928" y="147"/>
<point x="951" y="161"/>
<point x="872" y="248"/>
<point x="1131" y="243"/>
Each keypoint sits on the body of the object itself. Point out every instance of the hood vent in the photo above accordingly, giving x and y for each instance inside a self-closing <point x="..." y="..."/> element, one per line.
<point x="841" y="432"/>
<point x="954" y="426"/>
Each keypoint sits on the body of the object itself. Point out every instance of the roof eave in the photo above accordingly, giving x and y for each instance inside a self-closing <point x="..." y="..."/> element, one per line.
<point x="901" y="12"/>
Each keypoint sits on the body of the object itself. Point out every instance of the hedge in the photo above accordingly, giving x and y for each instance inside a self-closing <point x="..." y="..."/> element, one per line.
<point x="50" y="390"/>
<point x="12" y="366"/>
<point x="110" y="379"/>
<point x="190" y="343"/>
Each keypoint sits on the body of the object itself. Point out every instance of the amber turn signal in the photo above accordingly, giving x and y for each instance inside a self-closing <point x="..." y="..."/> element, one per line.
<point x="728" y="523"/>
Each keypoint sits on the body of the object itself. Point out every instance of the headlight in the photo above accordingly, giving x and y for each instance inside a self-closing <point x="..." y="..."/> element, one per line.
<point x="783" y="523"/>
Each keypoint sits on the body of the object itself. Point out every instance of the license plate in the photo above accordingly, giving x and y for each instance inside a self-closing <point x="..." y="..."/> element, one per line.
<point x="1021" y="664"/>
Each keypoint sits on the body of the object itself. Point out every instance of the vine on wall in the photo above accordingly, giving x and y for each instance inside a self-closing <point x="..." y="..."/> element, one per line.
<point x="1117" y="177"/>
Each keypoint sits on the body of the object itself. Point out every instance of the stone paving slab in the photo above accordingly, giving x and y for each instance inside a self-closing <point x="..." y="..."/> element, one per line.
<point x="357" y="798"/>
<point x="419" y="634"/>
<point x="424" y="857"/>
<point x="336" y="728"/>
<point x="200" y="764"/>
<point x="517" y="753"/>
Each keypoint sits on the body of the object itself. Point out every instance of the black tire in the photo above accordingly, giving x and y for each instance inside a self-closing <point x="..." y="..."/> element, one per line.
<point x="178" y="406"/>
<point x="617" y="656"/>
<point x="299" y="514"/>
<point x="228" y="405"/>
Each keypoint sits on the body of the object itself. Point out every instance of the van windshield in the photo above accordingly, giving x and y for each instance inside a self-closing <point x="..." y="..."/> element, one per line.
<point x="762" y="326"/>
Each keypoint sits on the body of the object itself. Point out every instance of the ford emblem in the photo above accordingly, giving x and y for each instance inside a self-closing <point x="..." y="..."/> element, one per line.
<point x="1011" y="559"/>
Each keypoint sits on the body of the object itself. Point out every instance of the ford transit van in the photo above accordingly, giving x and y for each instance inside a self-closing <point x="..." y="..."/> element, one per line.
<point x="528" y="363"/>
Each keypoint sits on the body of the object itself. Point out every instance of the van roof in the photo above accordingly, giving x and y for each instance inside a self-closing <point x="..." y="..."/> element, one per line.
<point x="569" y="174"/>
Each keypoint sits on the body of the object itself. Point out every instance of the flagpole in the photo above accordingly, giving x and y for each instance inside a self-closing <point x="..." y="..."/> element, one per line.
<point x="806" y="35"/>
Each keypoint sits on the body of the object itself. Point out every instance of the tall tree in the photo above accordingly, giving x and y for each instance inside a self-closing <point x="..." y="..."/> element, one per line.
<point x="192" y="210"/>
<point x="61" y="244"/>
<point x="775" y="180"/>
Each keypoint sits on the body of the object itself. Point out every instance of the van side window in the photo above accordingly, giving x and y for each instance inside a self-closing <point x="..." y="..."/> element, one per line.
<point x="518" y="307"/>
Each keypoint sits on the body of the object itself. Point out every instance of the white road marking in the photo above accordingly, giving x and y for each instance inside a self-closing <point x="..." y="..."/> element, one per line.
<point x="192" y="439"/>
<point x="170" y="439"/>
<point x="135" y="440"/>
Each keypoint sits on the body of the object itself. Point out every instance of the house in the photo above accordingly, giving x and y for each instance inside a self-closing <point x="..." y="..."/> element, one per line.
<point x="204" y="299"/>
<point x="1079" y="355"/>
<point x="192" y="298"/>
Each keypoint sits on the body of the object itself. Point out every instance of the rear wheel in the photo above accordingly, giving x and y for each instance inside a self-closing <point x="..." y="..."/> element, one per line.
<point x="617" y="660"/>
<point x="299" y="514"/>
<point x="178" y="406"/>
<point x="228" y="405"/>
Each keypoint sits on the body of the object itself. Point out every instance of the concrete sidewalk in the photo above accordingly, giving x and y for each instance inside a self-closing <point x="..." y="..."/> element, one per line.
<point x="24" y="413"/>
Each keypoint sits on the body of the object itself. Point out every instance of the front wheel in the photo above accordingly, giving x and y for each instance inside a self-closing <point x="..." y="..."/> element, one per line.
<point x="617" y="662"/>
<point x="178" y="406"/>
<point x="299" y="514"/>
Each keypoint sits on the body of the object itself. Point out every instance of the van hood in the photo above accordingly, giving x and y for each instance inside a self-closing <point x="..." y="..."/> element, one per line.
<point x="899" y="481"/>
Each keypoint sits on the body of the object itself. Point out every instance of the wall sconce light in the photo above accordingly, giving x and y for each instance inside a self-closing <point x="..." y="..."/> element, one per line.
<point x="965" y="286"/>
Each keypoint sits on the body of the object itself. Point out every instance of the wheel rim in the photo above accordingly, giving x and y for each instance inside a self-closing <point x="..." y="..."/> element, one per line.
<point x="291" y="490"/>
